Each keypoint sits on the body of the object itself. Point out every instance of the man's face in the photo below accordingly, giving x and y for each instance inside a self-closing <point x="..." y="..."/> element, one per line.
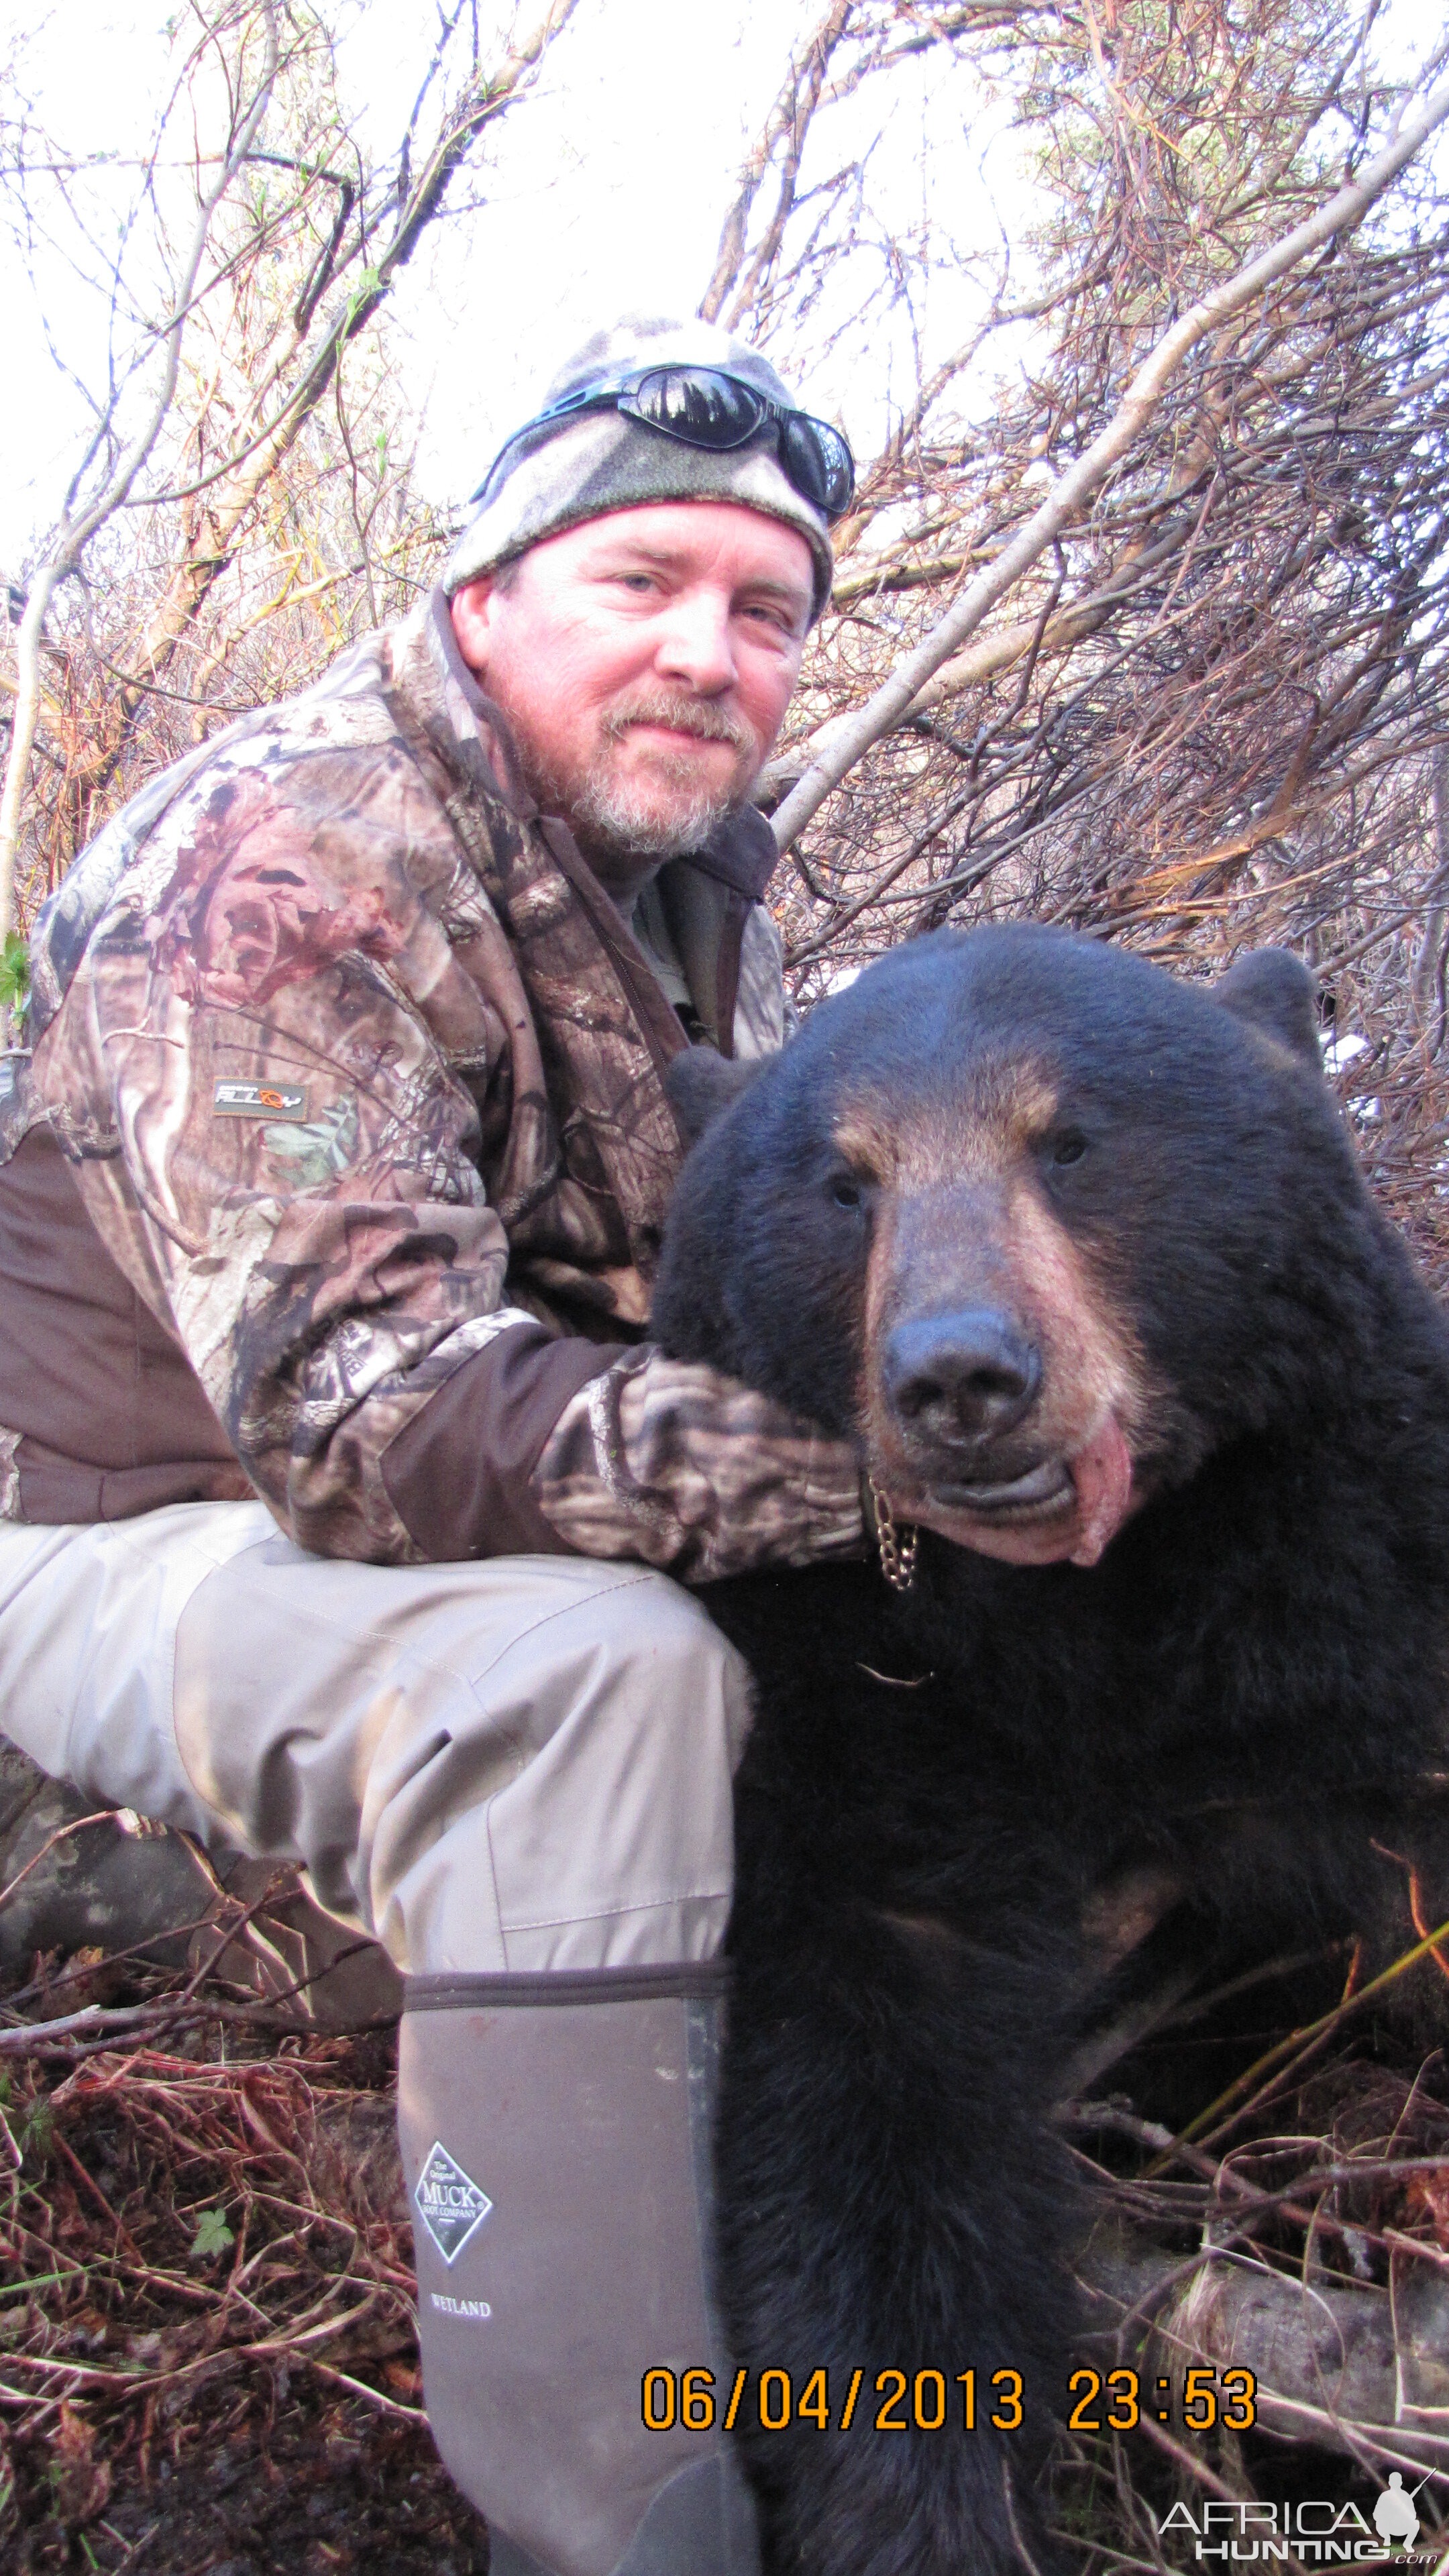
<point x="644" y="662"/>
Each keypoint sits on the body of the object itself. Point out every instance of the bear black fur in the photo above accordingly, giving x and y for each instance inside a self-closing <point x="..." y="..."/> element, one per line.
<point x="1007" y="1188"/>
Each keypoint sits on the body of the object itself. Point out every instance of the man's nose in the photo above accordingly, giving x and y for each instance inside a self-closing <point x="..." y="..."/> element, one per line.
<point x="696" y="644"/>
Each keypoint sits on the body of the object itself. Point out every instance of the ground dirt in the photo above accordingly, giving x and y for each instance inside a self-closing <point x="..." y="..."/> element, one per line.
<point x="208" y="2353"/>
<point x="324" y="2489"/>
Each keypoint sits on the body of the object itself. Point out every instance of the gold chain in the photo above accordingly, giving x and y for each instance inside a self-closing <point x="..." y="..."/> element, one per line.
<point x="896" y="1540"/>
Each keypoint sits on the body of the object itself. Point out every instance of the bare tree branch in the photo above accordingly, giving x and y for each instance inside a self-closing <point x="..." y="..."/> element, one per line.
<point x="350" y="235"/>
<point x="1077" y="487"/>
<point x="76" y="532"/>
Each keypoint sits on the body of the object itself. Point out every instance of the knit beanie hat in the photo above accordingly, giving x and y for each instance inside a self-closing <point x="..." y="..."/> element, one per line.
<point x="574" y="469"/>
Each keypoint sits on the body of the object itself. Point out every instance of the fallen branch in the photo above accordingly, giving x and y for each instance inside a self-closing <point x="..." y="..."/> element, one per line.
<point x="1334" y="2364"/>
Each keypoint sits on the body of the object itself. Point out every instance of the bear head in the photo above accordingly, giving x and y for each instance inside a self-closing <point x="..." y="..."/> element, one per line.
<point x="1035" y="1223"/>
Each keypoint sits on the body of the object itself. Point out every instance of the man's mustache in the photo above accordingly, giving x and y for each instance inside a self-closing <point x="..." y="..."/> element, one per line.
<point x="683" y="715"/>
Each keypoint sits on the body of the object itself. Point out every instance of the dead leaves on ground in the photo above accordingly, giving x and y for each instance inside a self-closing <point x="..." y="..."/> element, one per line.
<point x="193" y="2248"/>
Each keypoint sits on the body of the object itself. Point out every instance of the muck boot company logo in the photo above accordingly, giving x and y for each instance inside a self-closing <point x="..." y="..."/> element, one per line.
<point x="449" y="2202"/>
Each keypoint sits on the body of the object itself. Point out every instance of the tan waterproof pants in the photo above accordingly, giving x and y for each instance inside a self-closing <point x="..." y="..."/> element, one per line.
<point x="520" y="1764"/>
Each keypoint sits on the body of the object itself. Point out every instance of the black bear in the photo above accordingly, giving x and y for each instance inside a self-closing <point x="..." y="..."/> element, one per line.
<point x="1081" y="1257"/>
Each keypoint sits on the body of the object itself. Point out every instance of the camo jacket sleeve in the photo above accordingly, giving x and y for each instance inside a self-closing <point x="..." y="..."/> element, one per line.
<point x="291" y="1023"/>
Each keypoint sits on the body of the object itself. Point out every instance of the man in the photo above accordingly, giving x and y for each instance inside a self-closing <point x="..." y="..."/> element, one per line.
<point x="335" y="1177"/>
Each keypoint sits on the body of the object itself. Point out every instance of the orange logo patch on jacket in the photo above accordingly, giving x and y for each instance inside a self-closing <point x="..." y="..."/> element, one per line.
<point x="259" y="1100"/>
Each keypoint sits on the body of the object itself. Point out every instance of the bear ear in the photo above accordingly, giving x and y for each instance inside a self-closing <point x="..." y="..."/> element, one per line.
<point x="1273" y="992"/>
<point x="702" y="1086"/>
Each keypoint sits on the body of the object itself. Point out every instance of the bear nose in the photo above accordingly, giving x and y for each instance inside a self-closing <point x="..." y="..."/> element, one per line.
<point x="971" y="1371"/>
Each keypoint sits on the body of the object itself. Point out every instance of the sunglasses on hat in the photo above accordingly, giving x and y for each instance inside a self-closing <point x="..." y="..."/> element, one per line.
<point x="707" y="407"/>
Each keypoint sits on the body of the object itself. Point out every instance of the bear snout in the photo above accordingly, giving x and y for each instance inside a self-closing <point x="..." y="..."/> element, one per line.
<point x="969" y="1374"/>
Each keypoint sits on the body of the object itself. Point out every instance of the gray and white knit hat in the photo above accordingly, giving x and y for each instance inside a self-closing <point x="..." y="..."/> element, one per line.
<point x="576" y="469"/>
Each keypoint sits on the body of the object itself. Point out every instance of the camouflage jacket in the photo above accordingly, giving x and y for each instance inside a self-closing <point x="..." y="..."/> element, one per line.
<point x="337" y="1165"/>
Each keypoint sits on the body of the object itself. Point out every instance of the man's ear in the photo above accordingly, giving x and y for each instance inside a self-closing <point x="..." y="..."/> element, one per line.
<point x="472" y="610"/>
<point x="703" y="1085"/>
<point x="1272" y="992"/>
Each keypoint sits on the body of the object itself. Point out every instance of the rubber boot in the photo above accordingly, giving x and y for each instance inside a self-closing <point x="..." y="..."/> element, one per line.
<point x="555" y="2136"/>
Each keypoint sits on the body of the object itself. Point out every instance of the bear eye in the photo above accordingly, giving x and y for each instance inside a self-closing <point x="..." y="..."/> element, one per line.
<point x="845" y="1190"/>
<point x="1069" y="1148"/>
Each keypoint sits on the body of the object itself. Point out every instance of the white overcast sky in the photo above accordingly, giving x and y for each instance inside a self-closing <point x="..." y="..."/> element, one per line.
<point x="605" y="195"/>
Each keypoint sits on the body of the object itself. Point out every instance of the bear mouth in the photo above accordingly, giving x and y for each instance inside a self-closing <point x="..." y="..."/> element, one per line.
<point x="1041" y="1489"/>
<point x="1066" y="1506"/>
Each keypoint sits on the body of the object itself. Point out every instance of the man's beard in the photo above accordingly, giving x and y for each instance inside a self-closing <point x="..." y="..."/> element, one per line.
<point x="621" y="815"/>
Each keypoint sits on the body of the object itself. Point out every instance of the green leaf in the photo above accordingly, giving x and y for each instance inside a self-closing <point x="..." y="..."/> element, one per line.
<point x="14" y="972"/>
<point x="212" y="2235"/>
<point x="37" y="2132"/>
<point x="366" y="286"/>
